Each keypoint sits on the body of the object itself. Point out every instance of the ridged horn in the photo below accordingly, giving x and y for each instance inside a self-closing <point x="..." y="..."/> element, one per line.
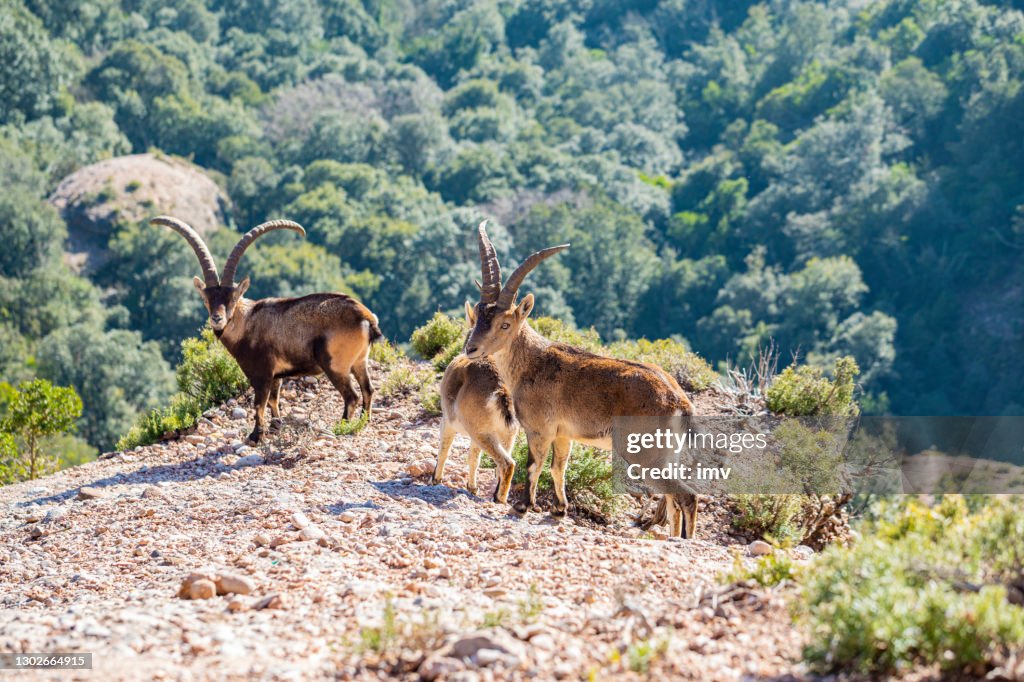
<point x="491" y="285"/>
<point x="231" y="264"/>
<point x="196" y="242"/>
<point x="511" y="288"/>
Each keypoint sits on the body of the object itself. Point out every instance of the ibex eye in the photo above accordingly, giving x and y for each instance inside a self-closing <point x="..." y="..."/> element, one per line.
<point x="506" y="325"/>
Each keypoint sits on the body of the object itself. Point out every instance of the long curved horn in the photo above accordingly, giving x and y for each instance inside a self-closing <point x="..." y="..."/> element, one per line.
<point x="491" y="285"/>
<point x="196" y="242"/>
<point x="227" y="279"/>
<point x="511" y="288"/>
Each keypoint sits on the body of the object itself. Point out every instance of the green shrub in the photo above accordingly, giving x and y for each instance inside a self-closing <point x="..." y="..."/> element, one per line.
<point x="449" y="353"/>
<point x="33" y="414"/>
<point x="207" y="372"/>
<point x="691" y="371"/>
<point x="805" y="391"/>
<point x="350" y="427"/>
<point x="588" y="479"/>
<point x="769" y="515"/>
<point x="430" y="398"/>
<point x="927" y="586"/>
<point x="385" y="353"/>
<point x="406" y="378"/>
<point x="767" y="571"/>
<point x="206" y="377"/>
<point x="182" y="412"/>
<point x="436" y="335"/>
<point x="556" y="330"/>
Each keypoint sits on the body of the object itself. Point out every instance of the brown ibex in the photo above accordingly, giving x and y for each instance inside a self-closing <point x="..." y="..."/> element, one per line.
<point x="562" y="393"/>
<point x="475" y="402"/>
<point x="275" y="338"/>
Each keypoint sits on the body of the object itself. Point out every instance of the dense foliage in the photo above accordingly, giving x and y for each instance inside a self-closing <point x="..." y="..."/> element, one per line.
<point x="844" y="178"/>
<point x="928" y="585"/>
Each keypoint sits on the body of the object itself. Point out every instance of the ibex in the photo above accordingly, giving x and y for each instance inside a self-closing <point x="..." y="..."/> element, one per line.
<point x="274" y="338"/>
<point x="474" y="401"/>
<point x="561" y="393"/>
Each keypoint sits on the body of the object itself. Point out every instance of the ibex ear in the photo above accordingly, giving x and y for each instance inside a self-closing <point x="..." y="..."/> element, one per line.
<point x="199" y="285"/>
<point x="470" y="315"/>
<point x="242" y="288"/>
<point x="524" y="309"/>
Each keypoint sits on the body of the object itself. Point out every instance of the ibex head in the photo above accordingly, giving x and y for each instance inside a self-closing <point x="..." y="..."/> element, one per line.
<point x="498" y="318"/>
<point x="220" y="294"/>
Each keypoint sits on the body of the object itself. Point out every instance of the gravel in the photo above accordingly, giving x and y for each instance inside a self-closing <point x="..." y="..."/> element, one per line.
<point x="329" y="559"/>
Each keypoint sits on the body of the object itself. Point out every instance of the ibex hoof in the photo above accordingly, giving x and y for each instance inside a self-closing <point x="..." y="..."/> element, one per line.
<point x="472" y="490"/>
<point x="276" y="423"/>
<point x="558" y="511"/>
<point x="254" y="437"/>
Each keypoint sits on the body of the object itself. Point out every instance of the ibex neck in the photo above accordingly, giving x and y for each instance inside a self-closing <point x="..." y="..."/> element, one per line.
<point x="515" y="362"/>
<point x="234" y="332"/>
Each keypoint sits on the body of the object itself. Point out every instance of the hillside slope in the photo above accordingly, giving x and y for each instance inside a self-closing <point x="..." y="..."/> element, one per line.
<point x="361" y="569"/>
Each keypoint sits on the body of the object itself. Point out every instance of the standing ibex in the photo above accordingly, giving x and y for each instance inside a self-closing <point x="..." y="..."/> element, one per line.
<point x="274" y="338"/>
<point x="561" y="393"/>
<point x="474" y="401"/>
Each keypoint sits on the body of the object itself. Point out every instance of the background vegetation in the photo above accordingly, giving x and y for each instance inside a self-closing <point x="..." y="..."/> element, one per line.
<point x="843" y="178"/>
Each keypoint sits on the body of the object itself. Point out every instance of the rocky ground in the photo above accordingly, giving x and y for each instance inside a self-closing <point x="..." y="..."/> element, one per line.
<point x="338" y="559"/>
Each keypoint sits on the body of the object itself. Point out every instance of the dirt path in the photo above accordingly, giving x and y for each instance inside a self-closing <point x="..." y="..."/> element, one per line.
<point x="361" y="570"/>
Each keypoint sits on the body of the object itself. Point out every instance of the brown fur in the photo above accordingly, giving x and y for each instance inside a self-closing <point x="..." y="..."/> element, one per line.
<point x="274" y="338"/>
<point x="562" y="394"/>
<point x="476" y="403"/>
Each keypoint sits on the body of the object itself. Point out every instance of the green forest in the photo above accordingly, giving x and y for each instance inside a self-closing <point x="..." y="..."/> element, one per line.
<point x="838" y="178"/>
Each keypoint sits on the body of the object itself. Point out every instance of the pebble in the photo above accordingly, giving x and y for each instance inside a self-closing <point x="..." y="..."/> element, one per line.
<point x="312" y="533"/>
<point x="803" y="551"/>
<point x="202" y="589"/>
<point x="346" y="517"/>
<point x="434" y="667"/>
<point x="231" y="583"/>
<point x="271" y="601"/>
<point x="760" y="548"/>
<point x="420" y="467"/>
<point x="250" y="461"/>
<point x="89" y="493"/>
<point x="237" y="414"/>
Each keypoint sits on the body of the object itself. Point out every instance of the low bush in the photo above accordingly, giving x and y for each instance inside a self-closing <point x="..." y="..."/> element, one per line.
<point x="929" y="585"/>
<point x="436" y="335"/>
<point x="767" y="571"/>
<point x="385" y="353"/>
<point x="350" y="427"/>
<point x="207" y="372"/>
<point x="805" y="391"/>
<point x="771" y="516"/>
<point x="406" y="378"/>
<point x="691" y="371"/>
<point x="206" y="376"/>
<point x="430" y="398"/>
<point x="556" y="330"/>
<point x="588" y="479"/>
<point x="447" y="354"/>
